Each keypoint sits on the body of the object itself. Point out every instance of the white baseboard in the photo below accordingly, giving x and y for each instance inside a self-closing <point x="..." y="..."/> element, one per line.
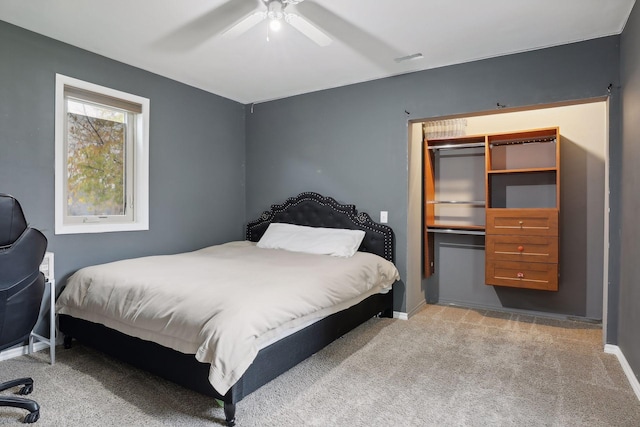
<point x="633" y="380"/>
<point x="400" y="315"/>
<point x="405" y="316"/>
<point x="20" y="351"/>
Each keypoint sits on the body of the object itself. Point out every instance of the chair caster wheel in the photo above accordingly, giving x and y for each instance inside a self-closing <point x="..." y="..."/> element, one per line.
<point x="32" y="417"/>
<point x="27" y="389"/>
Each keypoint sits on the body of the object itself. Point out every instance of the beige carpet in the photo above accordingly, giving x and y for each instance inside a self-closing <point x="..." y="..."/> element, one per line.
<point x="446" y="366"/>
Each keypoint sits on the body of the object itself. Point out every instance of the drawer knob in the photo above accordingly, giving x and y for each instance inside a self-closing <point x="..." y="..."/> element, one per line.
<point x="520" y="275"/>
<point x="520" y="248"/>
<point x="520" y="222"/>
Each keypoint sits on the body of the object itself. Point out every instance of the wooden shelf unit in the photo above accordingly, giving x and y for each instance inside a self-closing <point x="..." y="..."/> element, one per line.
<point x="521" y="179"/>
<point x="467" y="203"/>
<point x="523" y="202"/>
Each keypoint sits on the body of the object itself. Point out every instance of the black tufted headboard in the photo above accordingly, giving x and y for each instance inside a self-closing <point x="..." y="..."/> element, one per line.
<point x="314" y="210"/>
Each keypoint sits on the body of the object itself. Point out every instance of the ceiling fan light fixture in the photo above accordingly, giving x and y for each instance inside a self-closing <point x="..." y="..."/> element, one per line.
<point x="275" y="24"/>
<point x="275" y="15"/>
<point x="275" y="12"/>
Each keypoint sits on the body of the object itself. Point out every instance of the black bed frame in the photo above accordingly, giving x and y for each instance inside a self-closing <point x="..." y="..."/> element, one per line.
<point x="309" y="209"/>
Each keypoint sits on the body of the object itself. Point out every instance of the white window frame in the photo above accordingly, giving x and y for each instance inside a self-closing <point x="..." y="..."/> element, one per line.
<point x="140" y="203"/>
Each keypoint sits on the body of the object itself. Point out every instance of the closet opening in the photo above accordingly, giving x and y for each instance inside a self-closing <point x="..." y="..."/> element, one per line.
<point x="465" y="170"/>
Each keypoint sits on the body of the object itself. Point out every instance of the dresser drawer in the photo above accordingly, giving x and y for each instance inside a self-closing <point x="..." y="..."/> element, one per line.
<point x="526" y="275"/>
<point x="538" y="222"/>
<point x="522" y="248"/>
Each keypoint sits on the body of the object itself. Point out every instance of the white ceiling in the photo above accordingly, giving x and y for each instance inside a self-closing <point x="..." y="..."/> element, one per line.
<point x="180" y="39"/>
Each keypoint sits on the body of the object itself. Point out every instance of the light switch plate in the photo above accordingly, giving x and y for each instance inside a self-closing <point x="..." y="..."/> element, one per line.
<point x="384" y="217"/>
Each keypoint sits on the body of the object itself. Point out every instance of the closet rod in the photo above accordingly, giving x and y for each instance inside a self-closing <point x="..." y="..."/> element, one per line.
<point x="462" y="245"/>
<point x="454" y="231"/>
<point x="523" y="141"/>
<point x="456" y="146"/>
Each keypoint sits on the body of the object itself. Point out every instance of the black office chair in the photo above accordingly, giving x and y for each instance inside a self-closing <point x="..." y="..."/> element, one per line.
<point x="21" y="289"/>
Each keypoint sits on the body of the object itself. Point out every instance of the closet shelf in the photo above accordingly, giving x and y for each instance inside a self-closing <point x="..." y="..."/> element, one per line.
<point x="456" y="146"/>
<point x="455" y="226"/>
<point x="456" y="230"/>
<point x="456" y="202"/>
<point x="524" y="170"/>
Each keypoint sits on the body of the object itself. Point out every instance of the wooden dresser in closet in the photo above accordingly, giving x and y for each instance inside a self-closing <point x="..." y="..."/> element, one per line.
<point x="521" y="248"/>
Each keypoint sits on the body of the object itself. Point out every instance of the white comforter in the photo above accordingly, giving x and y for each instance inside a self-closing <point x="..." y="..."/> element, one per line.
<point x="221" y="302"/>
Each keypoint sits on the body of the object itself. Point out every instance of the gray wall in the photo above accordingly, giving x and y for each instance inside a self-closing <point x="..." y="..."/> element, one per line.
<point x="351" y="143"/>
<point x="197" y="152"/>
<point x="629" y="315"/>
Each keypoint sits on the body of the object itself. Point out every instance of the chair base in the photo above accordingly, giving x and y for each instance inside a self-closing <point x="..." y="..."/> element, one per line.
<point x="27" y="384"/>
<point x="21" y="402"/>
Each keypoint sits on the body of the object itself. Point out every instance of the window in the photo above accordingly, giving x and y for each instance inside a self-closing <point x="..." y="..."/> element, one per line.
<point x="102" y="159"/>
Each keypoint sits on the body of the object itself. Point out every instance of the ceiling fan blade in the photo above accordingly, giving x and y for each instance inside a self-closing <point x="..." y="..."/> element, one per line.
<point x="244" y="25"/>
<point x="308" y="29"/>
<point x="368" y="45"/>
<point x="197" y="31"/>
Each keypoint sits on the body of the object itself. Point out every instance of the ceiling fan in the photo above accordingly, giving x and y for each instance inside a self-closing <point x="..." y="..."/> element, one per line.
<point x="275" y="12"/>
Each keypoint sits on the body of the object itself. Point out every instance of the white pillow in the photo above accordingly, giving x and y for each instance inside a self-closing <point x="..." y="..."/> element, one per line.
<point x="313" y="240"/>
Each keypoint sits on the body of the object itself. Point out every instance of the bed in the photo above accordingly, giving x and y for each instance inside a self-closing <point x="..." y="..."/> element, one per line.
<point x="272" y="350"/>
